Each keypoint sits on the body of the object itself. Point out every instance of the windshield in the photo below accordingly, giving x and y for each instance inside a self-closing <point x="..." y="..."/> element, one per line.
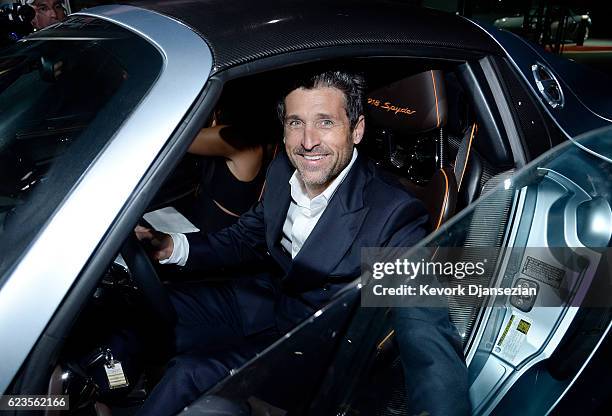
<point x="64" y="92"/>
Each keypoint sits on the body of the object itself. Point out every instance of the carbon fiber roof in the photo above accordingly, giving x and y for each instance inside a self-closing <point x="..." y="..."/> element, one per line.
<point x="240" y="31"/>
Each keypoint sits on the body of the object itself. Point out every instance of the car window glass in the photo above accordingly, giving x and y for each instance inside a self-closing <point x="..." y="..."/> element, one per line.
<point x="63" y="94"/>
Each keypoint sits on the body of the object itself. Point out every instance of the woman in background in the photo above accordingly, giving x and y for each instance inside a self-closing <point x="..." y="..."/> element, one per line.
<point x="233" y="171"/>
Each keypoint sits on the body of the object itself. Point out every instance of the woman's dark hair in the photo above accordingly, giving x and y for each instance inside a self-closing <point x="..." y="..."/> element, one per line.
<point x="249" y="111"/>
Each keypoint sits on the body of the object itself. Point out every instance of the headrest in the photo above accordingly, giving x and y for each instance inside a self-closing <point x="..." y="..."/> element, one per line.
<point x="411" y="105"/>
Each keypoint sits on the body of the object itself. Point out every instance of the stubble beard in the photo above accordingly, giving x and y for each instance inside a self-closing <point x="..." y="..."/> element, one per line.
<point x="319" y="178"/>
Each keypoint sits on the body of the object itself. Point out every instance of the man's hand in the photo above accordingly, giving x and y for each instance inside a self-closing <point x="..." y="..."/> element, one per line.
<point x="159" y="245"/>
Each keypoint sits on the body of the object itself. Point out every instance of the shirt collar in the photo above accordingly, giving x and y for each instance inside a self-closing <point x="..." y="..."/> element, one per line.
<point x="298" y="190"/>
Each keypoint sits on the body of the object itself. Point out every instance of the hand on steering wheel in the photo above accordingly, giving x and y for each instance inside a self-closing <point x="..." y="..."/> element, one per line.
<point x="160" y="244"/>
<point x="145" y="276"/>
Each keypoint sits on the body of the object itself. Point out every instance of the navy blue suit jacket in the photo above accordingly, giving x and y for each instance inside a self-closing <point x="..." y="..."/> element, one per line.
<point x="367" y="210"/>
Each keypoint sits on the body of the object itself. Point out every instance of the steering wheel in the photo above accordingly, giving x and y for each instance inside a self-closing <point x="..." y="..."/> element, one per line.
<point x="143" y="272"/>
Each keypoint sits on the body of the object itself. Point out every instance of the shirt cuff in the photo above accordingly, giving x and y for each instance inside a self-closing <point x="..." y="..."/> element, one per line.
<point x="180" y="253"/>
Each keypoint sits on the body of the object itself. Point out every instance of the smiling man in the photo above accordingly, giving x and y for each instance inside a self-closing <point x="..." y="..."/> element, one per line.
<point x="323" y="202"/>
<point x="319" y="136"/>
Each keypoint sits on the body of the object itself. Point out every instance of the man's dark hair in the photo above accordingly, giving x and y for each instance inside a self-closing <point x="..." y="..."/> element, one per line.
<point x="352" y="85"/>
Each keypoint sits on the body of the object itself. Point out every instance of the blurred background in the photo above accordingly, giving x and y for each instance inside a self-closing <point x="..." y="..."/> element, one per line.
<point x="580" y="30"/>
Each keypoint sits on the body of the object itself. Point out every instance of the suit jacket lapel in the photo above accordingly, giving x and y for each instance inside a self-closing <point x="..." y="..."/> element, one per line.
<point x="334" y="233"/>
<point x="278" y="215"/>
<point x="277" y="204"/>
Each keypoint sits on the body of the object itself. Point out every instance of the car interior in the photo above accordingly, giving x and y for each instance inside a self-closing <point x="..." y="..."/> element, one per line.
<point x="429" y="125"/>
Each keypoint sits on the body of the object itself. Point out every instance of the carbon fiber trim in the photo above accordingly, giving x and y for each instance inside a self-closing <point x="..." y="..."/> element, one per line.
<point x="240" y="31"/>
<point x="394" y="401"/>
<point x="487" y="229"/>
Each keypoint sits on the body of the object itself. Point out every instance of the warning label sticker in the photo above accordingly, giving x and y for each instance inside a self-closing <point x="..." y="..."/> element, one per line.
<point x="544" y="272"/>
<point x="512" y="337"/>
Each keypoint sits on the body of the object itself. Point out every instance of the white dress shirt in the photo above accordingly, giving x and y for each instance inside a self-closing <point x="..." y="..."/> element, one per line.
<point x="304" y="213"/>
<point x="302" y="216"/>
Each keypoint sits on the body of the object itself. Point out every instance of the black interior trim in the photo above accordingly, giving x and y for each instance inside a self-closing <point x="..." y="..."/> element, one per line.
<point x="509" y="123"/>
<point x="489" y="120"/>
<point x="471" y="180"/>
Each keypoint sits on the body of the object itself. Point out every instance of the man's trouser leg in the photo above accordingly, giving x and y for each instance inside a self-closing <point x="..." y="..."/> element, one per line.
<point x="210" y="341"/>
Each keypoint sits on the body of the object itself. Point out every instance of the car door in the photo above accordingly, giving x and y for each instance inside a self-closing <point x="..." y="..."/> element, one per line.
<point x="90" y="105"/>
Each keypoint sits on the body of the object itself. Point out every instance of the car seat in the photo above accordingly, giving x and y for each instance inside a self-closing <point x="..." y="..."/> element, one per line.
<point x="407" y="137"/>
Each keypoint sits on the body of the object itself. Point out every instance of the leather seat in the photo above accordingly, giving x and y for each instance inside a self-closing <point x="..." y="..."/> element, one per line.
<point x="414" y="110"/>
<point x="439" y="196"/>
